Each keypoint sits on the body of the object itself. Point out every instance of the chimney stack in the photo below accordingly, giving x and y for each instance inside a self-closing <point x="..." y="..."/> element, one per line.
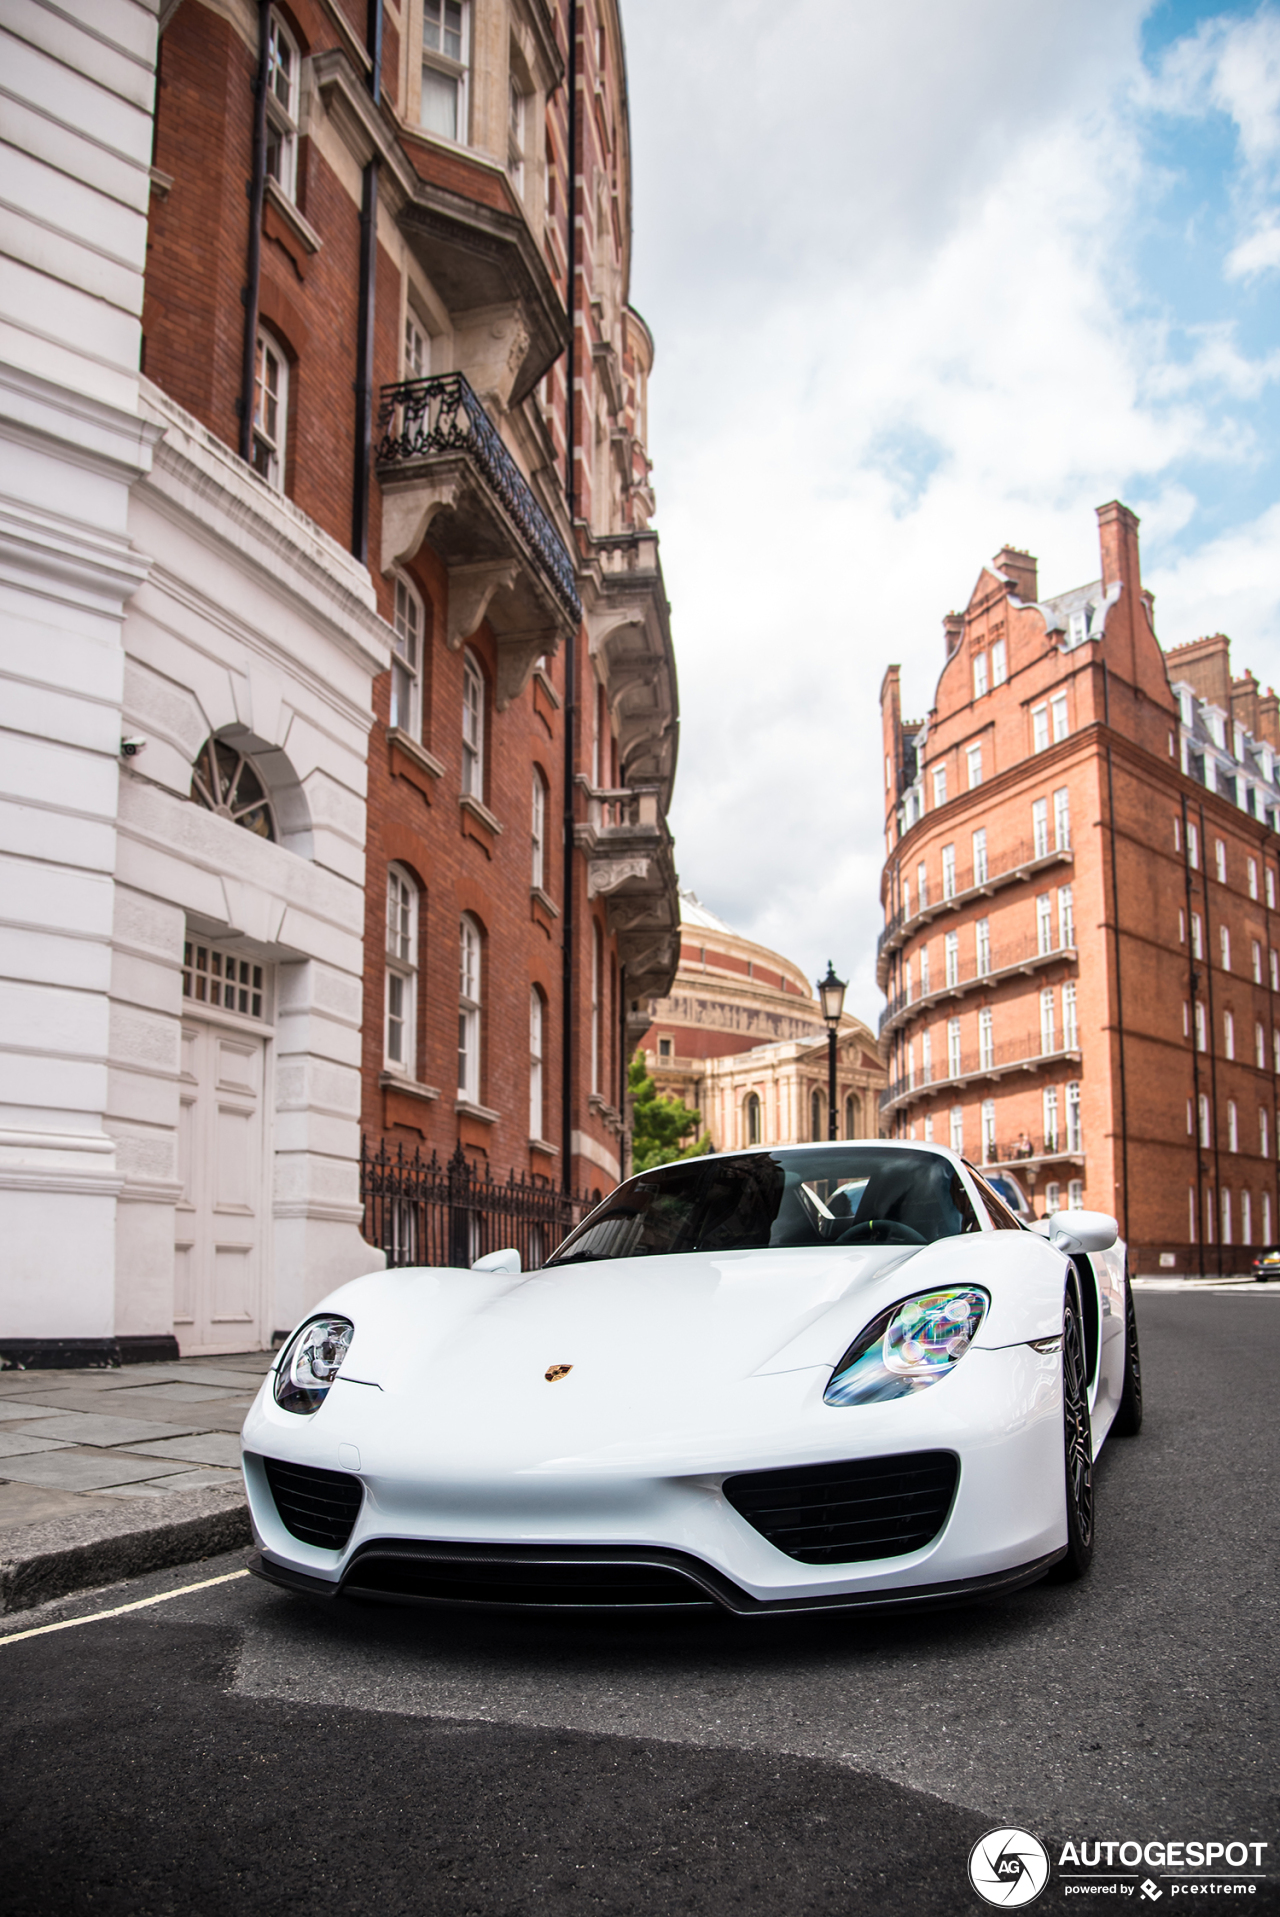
<point x="953" y="631"/>
<point x="1205" y="665"/>
<point x="1012" y="563"/>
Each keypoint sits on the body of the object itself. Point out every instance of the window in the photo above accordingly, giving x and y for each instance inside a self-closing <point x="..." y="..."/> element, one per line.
<point x="210" y="977"/>
<point x="1062" y="819"/>
<point x="538" y="832"/>
<point x="1197" y="936"/>
<point x="406" y="646"/>
<point x="979" y="674"/>
<point x="922" y="886"/>
<point x="1224" y="941"/>
<point x="597" y="1005"/>
<point x="1220" y="860"/>
<point x="1208" y="1216"/>
<point x="282" y="108"/>
<point x="953" y="958"/>
<point x="982" y="941"/>
<point x="1182" y="926"/>
<point x="928" y="1131"/>
<point x="1186" y="1019"/>
<point x="926" y="1058"/>
<point x="1177" y="834"/>
<point x="1256" y="956"/>
<point x="953" y="1048"/>
<point x="469" y="1013"/>
<point x="906" y="898"/>
<point x="270" y="411"/>
<point x="940" y="785"/>
<point x="417" y="348"/>
<point x="1075" y="1129"/>
<point x="974" y="758"/>
<point x="1044" y="923"/>
<point x="1275" y="972"/>
<point x="980" y="856"/>
<point x="1226" y="1216"/>
<point x="948" y="871"/>
<point x="1070" y="1019"/>
<point x="752" y="1112"/>
<point x="1039" y="728"/>
<point x="1260" y="1047"/>
<point x="999" y="670"/>
<point x="666" y="1048"/>
<point x="1040" y="828"/>
<point x="1202" y="1039"/>
<point x="446" y="55"/>
<point x="817" y="1129"/>
<point x="924" y="971"/>
<point x="1271" y="889"/>
<point x="1066" y="918"/>
<point x="1228" y="1035"/>
<point x="1246" y="1218"/>
<point x="1233" y="1126"/>
<point x="1191" y="1122"/>
<point x="225" y="782"/>
<point x="1058" y="716"/>
<point x="1075" y="1195"/>
<point x="1052" y="1196"/>
<point x="515" y="133"/>
<point x="402" y="970"/>
<point x="536" y="1120"/>
<point x="1046" y="1021"/>
<point x="1251" y="866"/>
<point x="1193" y="847"/>
<point x="988" y="1131"/>
<point x="472" y="726"/>
<point x="1049" y="1112"/>
<point x="986" y="1040"/>
<point x="851" y="1116"/>
<point x="1205" y="1140"/>
<point x="957" y="1128"/>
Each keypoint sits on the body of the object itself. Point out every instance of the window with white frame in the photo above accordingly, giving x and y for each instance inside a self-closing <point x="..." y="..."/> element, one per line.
<point x="982" y="942"/>
<point x="926" y="1058"/>
<point x="1049" y="1113"/>
<point x="1202" y="1035"/>
<point x="472" y="726"/>
<point x="1251" y="868"/>
<point x="1075" y="1129"/>
<point x="1193" y="847"/>
<point x="1186" y="1019"/>
<point x="1246" y="1218"/>
<point x="1275" y="970"/>
<point x="1271" y="889"/>
<point x="988" y="1130"/>
<point x="980" y="856"/>
<point x="953" y="958"/>
<point x="1220" y="860"/>
<point x="953" y="1048"/>
<point x="1052" y="1196"/>
<point x="1058" y="716"/>
<point x="1044" y="922"/>
<point x="1197" y="936"/>
<point x="270" y="410"/>
<point x="1040" y="828"/>
<point x="1256" y="956"/>
<point x="922" y="886"/>
<point x="1228" y="1035"/>
<point x="986" y="1039"/>
<point x="406" y="654"/>
<point x="1266" y="1218"/>
<point x="1177" y="833"/>
<point x="597" y="1006"/>
<point x="536" y="1029"/>
<point x="939" y="785"/>
<point x="973" y="756"/>
<point x="538" y="832"/>
<point x="1226" y="1215"/>
<point x="924" y="971"/>
<point x="1046" y="1020"/>
<point x="1233" y="1126"/>
<point x="948" y="871"/>
<point x="1070" y="1017"/>
<point x="282" y="107"/>
<point x="1224" y="946"/>
<point x="1260" y="1046"/>
<point x="999" y="669"/>
<point x="979" y="675"/>
<point x="402" y="971"/>
<point x="417" y="347"/>
<point x="1039" y="728"/>
<point x="446" y="60"/>
<point x="516" y="115"/>
<point x="957" y="1128"/>
<point x="911" y="1060"/>
<point x="1203" y="1104"/>
<point x="928" y="1130"/>
<point x="1075" y="1195"/>
<point x="1191" y="1120"/>
<point x="470" y="948"/>
<point x="1062" y="819"/>
<point x="1066" y="918"/>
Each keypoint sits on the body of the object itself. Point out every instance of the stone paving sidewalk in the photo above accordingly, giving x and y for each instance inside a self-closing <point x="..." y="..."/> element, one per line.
<point x="70" y="1441"/>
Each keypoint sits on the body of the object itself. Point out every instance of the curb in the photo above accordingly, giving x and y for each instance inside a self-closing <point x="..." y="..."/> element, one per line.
<point x="39" y="1562"/>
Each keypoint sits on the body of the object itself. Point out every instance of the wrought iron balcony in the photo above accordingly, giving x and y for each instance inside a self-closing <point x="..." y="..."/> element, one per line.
<point x="993" y="1061"/>
<point x="423" y="417"/>
<point x="979" y="973"/>
<point x="962" y="886"/>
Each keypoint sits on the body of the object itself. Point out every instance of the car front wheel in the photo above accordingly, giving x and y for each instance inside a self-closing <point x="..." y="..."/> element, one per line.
<point x="1077" y="1447"/>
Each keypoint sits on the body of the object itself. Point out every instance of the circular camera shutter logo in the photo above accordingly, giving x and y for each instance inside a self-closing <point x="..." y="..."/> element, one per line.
<point x="1008" y="1868"/>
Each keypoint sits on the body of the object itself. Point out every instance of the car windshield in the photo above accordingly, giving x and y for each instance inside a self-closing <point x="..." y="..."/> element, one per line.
<point x="847" y="1195"/>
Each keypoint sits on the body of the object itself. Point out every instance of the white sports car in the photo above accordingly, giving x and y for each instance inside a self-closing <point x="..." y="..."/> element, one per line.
<point x="793" y="1378"/>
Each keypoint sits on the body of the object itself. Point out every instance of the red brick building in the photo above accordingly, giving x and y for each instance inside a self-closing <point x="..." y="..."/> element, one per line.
<point x="388" y="264"/>
<point x="1080" y="887"/>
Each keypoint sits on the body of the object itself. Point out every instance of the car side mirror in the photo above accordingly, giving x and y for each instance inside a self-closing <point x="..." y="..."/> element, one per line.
<point x="1081" y="1231"/>
<point x="508" y="1260"/>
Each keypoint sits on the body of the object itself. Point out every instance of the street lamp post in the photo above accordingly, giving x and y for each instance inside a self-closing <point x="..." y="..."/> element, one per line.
<point x="831" y="991"/>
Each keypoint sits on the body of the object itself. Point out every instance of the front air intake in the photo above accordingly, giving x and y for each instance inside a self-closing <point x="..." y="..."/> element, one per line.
<point x="319" y="1507"/>
<point x="515" y="1577"/>
<point x="849" y="1513"/>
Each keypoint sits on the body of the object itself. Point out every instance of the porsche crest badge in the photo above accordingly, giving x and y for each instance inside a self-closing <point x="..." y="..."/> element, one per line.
<point x="556" y="1372"/>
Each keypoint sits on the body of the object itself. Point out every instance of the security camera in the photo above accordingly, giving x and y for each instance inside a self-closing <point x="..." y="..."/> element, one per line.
<point x="130" y="748"/>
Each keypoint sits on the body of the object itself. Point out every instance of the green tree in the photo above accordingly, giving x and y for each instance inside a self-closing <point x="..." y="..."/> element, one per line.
<point x="658" y="1123"/>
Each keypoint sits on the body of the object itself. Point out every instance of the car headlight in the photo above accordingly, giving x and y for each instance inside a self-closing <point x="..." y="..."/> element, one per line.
<point x="908" y="1347"/>
<point x="310" y="1362"/>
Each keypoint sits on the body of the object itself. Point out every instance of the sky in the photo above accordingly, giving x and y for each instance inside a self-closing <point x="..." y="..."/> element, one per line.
<point x="926" y="280"/>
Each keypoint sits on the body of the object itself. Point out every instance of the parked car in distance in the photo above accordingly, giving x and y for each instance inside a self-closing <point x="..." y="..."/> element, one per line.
<point x="1267" y="1263"/>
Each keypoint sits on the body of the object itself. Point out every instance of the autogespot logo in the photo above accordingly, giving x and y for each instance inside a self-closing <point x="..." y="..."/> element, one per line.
<point x="1008" y="1868"/>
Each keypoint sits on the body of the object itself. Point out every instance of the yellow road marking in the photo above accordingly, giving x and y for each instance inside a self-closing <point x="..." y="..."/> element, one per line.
<point x="139" y="1604"/>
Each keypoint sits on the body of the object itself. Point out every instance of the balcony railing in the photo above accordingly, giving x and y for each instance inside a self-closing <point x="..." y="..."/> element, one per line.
<point x="1007" y="961"/>
<point x="421" y="417"/>
<point x="966" y="884"/>
<point x="622" y="809"/>
<point x="992" y="1061"/>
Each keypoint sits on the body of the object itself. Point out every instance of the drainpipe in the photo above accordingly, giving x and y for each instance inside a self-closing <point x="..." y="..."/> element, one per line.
<point x="1193" y="983"/>
<point x="1115" y="919"/>
<point x="571" y="650"/>
<point x="253" y="265"/>
<point x="1212" y="1034"/>
<point x="365" y="310"/>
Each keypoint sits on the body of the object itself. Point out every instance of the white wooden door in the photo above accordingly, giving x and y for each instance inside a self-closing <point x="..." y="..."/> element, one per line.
<point x="219" y="1241"/>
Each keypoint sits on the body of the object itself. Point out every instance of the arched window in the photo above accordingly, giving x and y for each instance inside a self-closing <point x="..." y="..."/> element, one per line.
<point x="851" y="1115"/>
<point x="406" y="661"/>
<point x="270" y="410"/>
<point x="472" y="726"/>
<point x="402" y="971"/>
<point x="817" y="1124"/>
<point x="282" y="107"/>
<point x="538" y="865"/>
<point x="469" y="1013"/>
<point x="751" y="1112"/>
<point x="536" y="1120"/>
<point x="225" y="782"/>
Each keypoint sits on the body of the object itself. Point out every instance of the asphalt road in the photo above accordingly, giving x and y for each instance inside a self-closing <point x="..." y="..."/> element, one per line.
<point x="235" y="1749"/>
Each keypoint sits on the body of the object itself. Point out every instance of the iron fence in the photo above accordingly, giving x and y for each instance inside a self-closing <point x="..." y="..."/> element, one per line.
<point x="422" y="1212"/>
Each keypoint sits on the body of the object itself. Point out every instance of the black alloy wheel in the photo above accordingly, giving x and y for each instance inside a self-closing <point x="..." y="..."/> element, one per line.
<point x="1078" y="1447"/>
<point x="1129" y="1415"/>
